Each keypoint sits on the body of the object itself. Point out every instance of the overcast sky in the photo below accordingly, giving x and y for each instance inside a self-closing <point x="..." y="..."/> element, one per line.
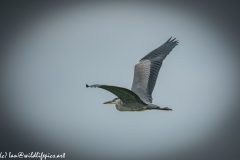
<point x="53" y="53"/>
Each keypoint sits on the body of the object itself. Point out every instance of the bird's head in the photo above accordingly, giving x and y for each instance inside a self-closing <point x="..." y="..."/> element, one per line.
<point x="114" y="101"/>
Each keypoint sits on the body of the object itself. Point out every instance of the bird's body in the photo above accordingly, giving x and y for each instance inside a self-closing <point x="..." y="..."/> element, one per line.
<point x="139" y="98"/>
<point x="130" y="106"/>
<point x="136" y="106"/>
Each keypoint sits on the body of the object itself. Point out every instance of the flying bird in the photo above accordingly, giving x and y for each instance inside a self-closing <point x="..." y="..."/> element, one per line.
<point x="139" y="98"/>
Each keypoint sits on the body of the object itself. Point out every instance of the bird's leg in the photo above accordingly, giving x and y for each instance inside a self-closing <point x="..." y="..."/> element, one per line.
<point x="166" y="109"/>
<point x="153" y="106"/>
<point x="158" y="108"/>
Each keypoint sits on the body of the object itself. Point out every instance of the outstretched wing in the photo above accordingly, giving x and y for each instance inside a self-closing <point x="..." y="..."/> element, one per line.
<point x="147" y="69"/>
<point x="126" y="95"/>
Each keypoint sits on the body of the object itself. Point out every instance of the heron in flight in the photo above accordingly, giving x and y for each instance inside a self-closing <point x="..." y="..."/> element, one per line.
<point x="139" y="98"/>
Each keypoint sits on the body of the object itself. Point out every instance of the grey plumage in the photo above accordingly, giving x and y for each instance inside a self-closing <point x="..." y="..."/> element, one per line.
<point x="148" y="68"/>
<point x="145" y="75"/>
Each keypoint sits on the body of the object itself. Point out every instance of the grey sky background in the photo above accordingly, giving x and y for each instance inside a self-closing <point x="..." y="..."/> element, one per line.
<point x="48" y="57"/>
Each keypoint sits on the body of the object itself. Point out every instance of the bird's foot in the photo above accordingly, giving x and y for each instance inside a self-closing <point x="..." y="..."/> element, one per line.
<point x="166" y="109"/>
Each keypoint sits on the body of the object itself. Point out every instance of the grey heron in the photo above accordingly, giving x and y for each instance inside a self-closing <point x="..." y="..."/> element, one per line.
<point x="139" y="98"/>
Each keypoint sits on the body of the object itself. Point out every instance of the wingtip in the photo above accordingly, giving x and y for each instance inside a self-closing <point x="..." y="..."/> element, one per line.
<point x="169" y="39"/>
<point x="173" y="40"/>
<point x="87" y="85"/>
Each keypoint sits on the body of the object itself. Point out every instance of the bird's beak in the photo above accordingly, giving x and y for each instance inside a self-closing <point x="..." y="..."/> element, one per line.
<point x="108" y="102"/>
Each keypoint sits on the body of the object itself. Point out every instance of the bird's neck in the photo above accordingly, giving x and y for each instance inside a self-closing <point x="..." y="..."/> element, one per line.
<point x="119" y="102"/>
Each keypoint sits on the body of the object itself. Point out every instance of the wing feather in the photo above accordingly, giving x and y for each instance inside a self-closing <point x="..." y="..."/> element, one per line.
<point x="147" y="69"/>
<point x="126" y="95"/>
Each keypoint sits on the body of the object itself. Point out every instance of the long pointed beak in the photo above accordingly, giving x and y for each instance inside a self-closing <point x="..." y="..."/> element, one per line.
<point x="108" y="102"/>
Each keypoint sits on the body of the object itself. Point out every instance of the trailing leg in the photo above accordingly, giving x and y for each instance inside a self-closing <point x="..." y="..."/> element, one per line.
<point x="153" y="106"/>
